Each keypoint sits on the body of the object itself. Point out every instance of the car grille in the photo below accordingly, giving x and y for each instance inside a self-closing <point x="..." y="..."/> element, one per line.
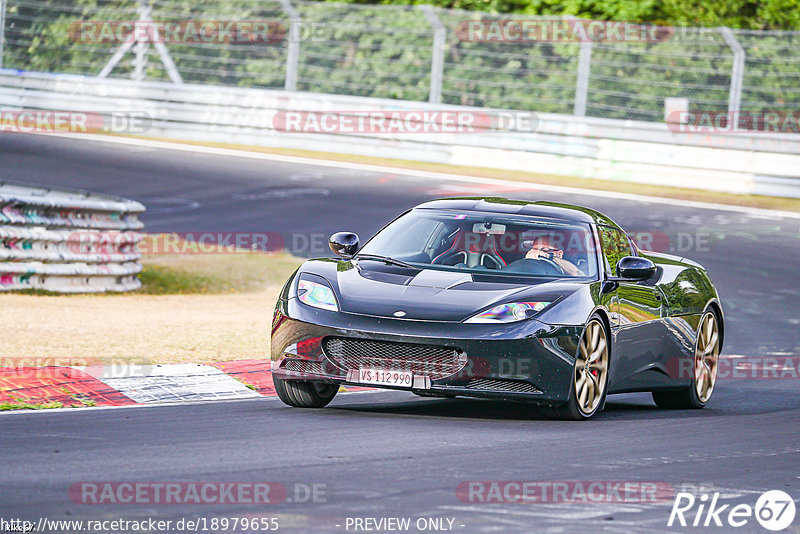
<point x="304" y="366"/>
<point x="422" y="360"/>
<point x="490" y="384"/>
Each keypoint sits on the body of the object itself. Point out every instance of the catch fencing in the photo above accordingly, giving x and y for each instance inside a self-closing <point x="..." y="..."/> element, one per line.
<point x="416" y="53"/>
<point x="67" y="241"/>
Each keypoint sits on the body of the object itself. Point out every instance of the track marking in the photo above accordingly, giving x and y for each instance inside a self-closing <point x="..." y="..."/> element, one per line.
<point x="166" y="145"/>
<point x="12" y="413"/>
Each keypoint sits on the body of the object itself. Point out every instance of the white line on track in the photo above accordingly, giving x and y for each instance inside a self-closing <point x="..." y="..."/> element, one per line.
<point x="166" y="145"/>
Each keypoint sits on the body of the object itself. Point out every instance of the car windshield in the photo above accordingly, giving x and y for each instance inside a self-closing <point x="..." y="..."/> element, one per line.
<point x="488" y="243"/>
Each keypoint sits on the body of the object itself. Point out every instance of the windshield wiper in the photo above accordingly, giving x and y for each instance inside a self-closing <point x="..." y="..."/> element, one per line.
<point x="385" y="259"/>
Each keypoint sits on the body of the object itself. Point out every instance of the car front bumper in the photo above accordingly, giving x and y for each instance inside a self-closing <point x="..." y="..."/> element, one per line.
<point x="528" y="360"/>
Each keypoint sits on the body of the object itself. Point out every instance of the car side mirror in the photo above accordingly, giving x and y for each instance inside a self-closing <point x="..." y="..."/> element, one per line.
<point x="635" y="268"/>
<point x="344" y="244"/>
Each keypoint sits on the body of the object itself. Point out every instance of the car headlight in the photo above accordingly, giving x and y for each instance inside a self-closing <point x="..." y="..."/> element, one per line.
<point x="316" y="295"/>
<point x="508" y="313"/>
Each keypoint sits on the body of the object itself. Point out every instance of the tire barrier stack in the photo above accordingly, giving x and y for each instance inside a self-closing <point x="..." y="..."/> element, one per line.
<point x="68" y="241"/>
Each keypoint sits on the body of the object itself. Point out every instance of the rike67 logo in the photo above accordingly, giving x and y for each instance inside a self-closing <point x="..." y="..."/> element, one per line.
<point x="774" y="510"/>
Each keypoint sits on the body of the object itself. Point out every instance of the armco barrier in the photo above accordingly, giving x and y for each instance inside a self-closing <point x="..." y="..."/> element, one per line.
<point x="609" y="149"/>
<point x="67" y="241"/>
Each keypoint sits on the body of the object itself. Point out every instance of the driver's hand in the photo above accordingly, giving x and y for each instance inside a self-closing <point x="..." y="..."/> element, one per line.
<point x="535" y="254"/>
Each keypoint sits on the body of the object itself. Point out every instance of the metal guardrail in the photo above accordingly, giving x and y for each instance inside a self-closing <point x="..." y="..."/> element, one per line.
<point x="611" y="149"/>
<point x="67" y="241"/>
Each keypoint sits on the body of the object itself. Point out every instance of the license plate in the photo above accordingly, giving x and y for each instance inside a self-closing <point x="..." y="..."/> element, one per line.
<point x="385" y="377"/>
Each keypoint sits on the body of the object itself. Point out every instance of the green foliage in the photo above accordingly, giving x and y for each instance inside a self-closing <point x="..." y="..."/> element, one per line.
<point x="160" y="280"/>
<point x="22" y="405"/>
<point x="744" y="14"/>
<point x="385" y="51"/>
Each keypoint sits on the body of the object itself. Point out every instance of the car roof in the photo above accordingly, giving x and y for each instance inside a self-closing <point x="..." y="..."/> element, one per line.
<point x="542" y="208"/>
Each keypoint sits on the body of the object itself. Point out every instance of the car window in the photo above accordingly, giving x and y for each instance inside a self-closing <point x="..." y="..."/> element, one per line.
<point x="488" y="243"/>
<point x="415" y="237"/>
<point x="615" y="246"/>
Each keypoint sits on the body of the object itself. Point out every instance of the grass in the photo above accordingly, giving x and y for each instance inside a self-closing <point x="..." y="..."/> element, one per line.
<point x="191" y="274"/>
<point x="192" y="308"/>
<point x="8" y="406"/>
<point x="247" y="385"/>
<point x="201" y="274"/>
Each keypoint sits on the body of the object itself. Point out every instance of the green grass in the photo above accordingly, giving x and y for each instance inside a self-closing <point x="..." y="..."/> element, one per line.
<point x="202" y="274"/>
<point x="161" y="280"/>
<point x="247" y="385"/>
<point x="84" y="403"/>
<point x="187" y="274"/>
<point x="7" y="406"/>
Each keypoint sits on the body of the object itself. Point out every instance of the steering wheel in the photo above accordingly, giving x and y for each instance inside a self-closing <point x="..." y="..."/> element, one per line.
<point x="535" y="266"/>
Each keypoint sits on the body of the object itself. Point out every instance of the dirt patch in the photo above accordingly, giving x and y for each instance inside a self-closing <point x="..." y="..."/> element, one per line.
<point x="158" y="328"/>
<point x="193" y="308"/>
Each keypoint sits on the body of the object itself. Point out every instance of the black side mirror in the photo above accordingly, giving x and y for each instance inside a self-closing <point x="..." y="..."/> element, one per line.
<point x="344" y="244"/>
<point x="635" y="268"/>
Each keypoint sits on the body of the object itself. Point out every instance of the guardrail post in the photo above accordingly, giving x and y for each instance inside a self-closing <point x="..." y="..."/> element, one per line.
<point x="141" y="47"/>
<point x="737" y="71"/>
<point x="582" y="81"/>
<point x="2" y="29"/>
<point x="437" y="54"/>
<point x="293" y="50"/>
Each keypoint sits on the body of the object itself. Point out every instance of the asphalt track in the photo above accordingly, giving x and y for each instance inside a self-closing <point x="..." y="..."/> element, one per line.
<point x="390" y="454"/>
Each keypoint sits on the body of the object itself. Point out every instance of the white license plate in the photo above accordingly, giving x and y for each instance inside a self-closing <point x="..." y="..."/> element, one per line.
<point x="385" y="377"/>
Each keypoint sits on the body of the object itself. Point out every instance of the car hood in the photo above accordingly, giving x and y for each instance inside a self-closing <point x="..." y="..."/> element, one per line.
<point x="372" y="288"/>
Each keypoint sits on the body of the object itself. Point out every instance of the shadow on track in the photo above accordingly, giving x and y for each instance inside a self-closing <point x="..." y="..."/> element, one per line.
<point x="728" y="400"/>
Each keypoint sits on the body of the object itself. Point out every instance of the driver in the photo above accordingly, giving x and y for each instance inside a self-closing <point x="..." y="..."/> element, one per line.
<point x="543" y="248"/>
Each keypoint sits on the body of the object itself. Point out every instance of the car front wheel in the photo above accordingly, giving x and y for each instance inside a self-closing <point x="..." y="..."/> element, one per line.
<point x="590" y="375"/>
<point x="303" y="394"/>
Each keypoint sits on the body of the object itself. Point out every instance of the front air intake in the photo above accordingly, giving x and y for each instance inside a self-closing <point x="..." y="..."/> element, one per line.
<point x="423" y="360"/>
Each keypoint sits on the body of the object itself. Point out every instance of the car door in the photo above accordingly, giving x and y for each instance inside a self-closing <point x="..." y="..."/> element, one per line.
<point x="639" y="308"/>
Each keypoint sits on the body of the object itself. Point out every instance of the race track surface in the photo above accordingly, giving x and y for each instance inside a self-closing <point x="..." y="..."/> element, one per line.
<point x="390" y="453"/>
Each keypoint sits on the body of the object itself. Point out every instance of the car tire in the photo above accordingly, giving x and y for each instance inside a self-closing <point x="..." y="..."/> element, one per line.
<point x="303" y="394"/>
<point x="705" y="365"/>
<point x="594" y="354"/>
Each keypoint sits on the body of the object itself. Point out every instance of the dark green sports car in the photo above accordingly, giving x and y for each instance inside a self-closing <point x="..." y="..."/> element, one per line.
<point x="487" y="297"/>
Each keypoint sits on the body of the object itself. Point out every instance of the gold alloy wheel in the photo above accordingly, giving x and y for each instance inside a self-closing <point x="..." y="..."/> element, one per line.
<point x="706" y="356"/>
<point x="591" y="367"/>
